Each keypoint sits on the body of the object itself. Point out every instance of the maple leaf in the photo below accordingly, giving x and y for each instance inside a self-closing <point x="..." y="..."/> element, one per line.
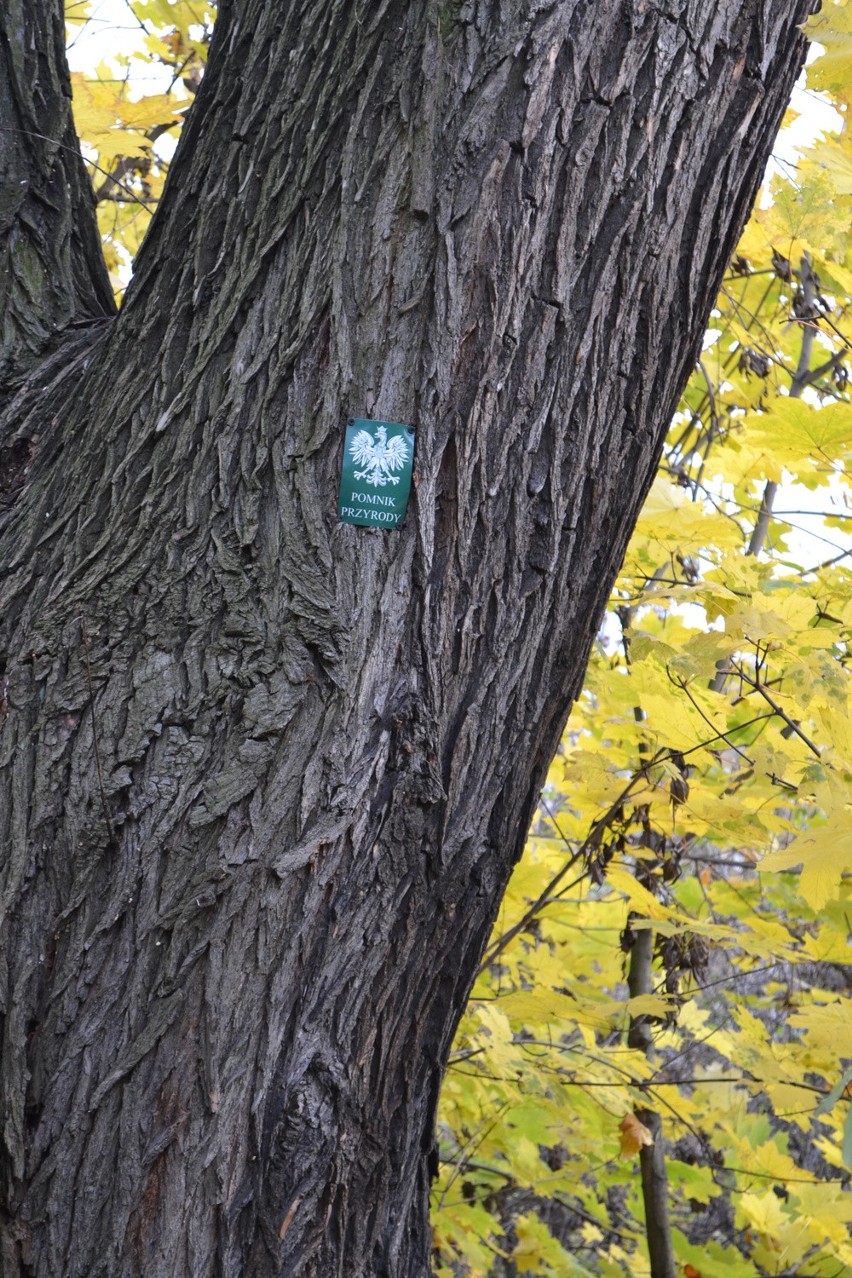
<point x="824" y="854"/>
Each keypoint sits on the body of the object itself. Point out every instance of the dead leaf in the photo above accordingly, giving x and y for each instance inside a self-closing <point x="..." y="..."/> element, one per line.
<point x="633" y="1136"/>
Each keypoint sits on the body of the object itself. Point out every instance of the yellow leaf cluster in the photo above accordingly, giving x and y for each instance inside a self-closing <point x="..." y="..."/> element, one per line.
<point x="121" y="122"/>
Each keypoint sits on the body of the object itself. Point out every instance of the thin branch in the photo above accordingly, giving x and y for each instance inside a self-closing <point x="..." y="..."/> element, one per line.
<point x="544" y="897"/>
<point x="760" y="688"/>
<point x="684" y="687"/>
<point x="131" y="195"/>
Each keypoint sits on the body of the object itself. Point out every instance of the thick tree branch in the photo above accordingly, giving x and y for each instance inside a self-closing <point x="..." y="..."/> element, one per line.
<point x="52" y="273"/>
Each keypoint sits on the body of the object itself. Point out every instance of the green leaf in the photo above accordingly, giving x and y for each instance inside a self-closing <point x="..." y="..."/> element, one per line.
<point x="834" y="1095"/>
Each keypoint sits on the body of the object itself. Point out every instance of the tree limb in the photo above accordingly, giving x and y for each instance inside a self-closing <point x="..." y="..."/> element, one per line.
<point x="52" y="272"/>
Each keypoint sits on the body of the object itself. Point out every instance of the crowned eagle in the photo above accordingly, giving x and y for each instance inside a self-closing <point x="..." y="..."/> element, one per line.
<point x="379" y="457"/>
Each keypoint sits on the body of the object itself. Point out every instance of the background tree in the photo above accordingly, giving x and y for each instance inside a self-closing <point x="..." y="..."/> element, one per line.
<point x="265" y="776"/>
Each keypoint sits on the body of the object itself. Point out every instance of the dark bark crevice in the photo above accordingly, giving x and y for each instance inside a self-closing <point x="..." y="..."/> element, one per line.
<point x="231" y="972"/>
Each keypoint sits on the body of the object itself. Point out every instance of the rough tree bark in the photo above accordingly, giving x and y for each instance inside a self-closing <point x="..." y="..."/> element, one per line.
<point x="264" y="776"/>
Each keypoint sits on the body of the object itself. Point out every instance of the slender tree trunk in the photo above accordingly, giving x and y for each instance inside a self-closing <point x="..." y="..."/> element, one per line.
<point x="263" y="777"/>
<point x="655" y="1196"/>
<point x="652" y="1158"/>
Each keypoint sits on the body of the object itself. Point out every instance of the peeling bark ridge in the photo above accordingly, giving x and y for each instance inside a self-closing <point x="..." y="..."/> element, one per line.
<point x="264" y="773"/>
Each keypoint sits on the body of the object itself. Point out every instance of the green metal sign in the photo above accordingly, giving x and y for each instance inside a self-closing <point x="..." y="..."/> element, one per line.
<point x="375" y="478"/>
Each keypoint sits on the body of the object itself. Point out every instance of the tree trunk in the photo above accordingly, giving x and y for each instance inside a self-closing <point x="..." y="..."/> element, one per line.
<point x="264" y="776"/>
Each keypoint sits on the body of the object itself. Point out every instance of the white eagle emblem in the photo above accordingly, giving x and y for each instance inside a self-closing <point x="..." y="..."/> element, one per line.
<point x="379" y="457"/>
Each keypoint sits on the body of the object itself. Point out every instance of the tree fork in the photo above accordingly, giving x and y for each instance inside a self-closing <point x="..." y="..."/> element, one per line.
<point x="230" y="975"/>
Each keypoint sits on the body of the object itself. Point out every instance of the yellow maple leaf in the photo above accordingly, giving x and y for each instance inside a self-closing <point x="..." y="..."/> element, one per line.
<point x="834" y="160"/>
<point x="621" y="880"/>
<point x="832" y="28"/>
<point x="795" y="431"/>
<point x="670" y="518"/>
<point x="151" y="110"/>
<point x="827" y="1025"/>
<point x="824" y="855"/>
<point x="763" y="1212"/>
<point x="648" y="1005"/>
